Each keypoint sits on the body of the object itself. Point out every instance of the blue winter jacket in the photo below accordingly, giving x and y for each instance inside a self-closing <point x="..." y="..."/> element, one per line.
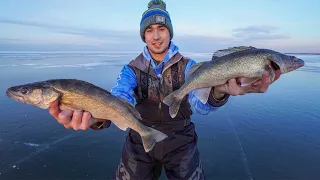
<point x="126" y="82"/>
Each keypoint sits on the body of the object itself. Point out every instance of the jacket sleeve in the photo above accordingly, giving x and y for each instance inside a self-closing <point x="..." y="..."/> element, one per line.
<point x="197" y="105"/>
<point x="126" y="82"/>
<point x="124" y="88"/>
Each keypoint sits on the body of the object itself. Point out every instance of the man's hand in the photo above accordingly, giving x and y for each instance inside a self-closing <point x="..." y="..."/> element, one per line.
<point x="232" y="88"/>
<point x="77" y="120"/>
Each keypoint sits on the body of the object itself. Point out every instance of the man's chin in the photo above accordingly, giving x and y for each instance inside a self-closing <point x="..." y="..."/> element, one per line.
<point x="158" y="51"/>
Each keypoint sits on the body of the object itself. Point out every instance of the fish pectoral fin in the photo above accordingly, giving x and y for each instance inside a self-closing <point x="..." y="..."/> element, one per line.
<point x="202" y="94"/>
<point x="96" y="120"/>
<point x="230" y="50"/>
<point x="43" y="105"/>
<point x="68" y="106"/>
<point x="120" y="125"/>
<point x="246" y="81"/>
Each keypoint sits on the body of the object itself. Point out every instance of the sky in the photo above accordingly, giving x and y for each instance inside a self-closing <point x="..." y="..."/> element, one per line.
<point x="199" y="26"/>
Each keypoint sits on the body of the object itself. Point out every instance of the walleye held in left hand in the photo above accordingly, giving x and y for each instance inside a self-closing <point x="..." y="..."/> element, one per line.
<point x="245" y="63"/>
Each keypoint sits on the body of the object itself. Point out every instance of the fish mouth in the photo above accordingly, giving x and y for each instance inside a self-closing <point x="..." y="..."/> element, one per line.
<point x="14" y="96"/>
<point x="302" y="63"/>
<point x="298" y="63"/>
<point x="9" y="93"/>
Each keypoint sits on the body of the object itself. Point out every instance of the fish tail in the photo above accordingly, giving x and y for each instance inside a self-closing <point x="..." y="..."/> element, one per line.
<point x="173" y="102"/>
<point x="151" y="137"/>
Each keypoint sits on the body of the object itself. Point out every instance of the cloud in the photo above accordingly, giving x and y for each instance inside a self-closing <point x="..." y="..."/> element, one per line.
<point x="26" y="23"/>
<point x="121" y="40"/>
<point x="185" y="43"/>
<point x="68" y="38"/>
<point x="258" y="33"/>
<point x="110" y="36"/>
<point x="62" y="47"/>
<point x="11" y="40"/>
<point x="198" y="43"/>
<point x="296" y="46"/>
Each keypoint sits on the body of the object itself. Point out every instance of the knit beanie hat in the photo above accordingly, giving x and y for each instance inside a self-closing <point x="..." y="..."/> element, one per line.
<point x="155" y="14"/>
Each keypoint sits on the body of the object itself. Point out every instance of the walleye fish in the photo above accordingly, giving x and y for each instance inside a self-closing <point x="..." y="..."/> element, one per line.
<point x="244" y="62"/>
<point x="80" y="95"/>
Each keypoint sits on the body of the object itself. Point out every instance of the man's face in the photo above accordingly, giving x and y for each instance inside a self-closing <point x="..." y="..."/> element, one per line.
<point x="157" y="38"/>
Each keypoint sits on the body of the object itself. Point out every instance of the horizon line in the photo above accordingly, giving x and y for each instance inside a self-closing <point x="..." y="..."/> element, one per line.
<point x="106" y="51"/>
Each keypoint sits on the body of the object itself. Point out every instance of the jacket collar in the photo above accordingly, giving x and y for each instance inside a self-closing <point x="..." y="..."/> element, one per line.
<point x="142" y="62"/>
<point x="173" y="49"/>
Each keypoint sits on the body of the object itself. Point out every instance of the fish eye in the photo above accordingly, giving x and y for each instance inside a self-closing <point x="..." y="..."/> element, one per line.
<point x="24" y="90"/>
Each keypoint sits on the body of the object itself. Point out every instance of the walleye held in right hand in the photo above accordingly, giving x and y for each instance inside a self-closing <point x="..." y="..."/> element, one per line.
<point x="80" y="95"/>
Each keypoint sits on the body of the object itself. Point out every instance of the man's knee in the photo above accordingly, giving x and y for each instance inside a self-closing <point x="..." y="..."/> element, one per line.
<point x="185" y="164"/>
<point x="130" y="169"/>
<point x="135" y="163"/>
<point x="189" y="172"/>
<point x="122" y="173"/>
<point x="197" y="173"/>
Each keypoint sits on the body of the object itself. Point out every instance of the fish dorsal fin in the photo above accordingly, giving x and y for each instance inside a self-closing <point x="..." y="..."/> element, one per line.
<point x="131" y="109"/>
<point x="230" y="50"/>
<point x="192" y="69"/>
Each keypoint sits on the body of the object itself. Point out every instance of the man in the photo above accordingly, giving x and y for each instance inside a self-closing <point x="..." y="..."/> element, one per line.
<point x="144" y="82"/>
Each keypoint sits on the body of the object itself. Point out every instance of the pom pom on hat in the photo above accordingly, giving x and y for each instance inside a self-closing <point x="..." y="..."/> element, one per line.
<point x="155" y="14"/>
<point x="155" y="3"/>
